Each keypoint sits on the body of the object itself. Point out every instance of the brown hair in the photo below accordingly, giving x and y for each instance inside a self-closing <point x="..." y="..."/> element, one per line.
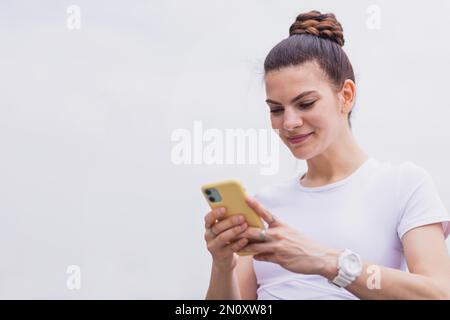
<point x="314" y="37"/>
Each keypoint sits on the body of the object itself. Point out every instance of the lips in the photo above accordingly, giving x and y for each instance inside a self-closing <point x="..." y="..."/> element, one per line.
<point x="299" y="138"/>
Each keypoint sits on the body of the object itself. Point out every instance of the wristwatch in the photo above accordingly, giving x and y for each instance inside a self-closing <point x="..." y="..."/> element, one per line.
<point x="349" y="267"/>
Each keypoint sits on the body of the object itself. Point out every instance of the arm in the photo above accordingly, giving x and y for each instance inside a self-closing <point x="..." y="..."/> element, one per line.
<point x="424" y="247"/>
<point x="223" y="285"/>
<point x="247" y="278"/>
<point x="428" y="262"/>
<point x="236" y="284"/>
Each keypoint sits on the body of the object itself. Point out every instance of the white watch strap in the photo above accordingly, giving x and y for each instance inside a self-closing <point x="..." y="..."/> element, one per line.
<point x="343" y="279"/>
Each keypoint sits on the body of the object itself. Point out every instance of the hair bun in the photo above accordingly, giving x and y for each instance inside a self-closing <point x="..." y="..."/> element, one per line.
<point x="318" y="24"/>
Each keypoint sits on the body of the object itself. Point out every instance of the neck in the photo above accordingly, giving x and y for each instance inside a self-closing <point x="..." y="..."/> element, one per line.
<point x="340" y="160"/>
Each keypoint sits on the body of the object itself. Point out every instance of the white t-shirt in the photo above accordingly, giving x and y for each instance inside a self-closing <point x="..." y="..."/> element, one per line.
<point x="368" y="212"/>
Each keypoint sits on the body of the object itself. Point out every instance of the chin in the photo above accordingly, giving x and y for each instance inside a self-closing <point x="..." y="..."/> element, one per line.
<point x="299" y="154"/>
<point x="302" y="154"/>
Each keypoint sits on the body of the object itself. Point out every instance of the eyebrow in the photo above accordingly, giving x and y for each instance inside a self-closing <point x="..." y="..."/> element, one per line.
<point x="298" y="97"/>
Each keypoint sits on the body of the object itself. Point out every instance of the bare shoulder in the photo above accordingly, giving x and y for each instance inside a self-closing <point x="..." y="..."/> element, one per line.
<point x="247" y="278"/>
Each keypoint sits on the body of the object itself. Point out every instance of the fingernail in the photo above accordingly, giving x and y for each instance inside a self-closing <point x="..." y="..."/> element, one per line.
<point x="222" y="210"/>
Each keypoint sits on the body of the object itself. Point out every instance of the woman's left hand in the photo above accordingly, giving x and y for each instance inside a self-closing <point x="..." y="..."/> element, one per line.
<point x="287" y="247"/>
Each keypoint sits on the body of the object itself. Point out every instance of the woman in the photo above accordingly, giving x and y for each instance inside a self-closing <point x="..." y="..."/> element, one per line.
<point x="349" y="226"/>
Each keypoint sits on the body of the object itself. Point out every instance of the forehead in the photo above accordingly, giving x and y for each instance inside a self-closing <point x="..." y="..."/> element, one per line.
<point x="292" y="80"/>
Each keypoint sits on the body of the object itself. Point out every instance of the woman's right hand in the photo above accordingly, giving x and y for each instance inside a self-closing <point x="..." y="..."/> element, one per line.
<point x="221" y="236"/>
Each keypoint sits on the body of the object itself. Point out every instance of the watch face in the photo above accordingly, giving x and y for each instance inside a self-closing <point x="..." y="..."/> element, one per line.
<point x="352" y="265"/>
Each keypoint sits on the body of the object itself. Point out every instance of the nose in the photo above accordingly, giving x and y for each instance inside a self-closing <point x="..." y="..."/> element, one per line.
<point x="291" y="120"/>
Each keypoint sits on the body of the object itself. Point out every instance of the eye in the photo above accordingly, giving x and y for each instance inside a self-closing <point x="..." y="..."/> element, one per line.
<point x="306" y="105"/>
<point x="276" y="110"/>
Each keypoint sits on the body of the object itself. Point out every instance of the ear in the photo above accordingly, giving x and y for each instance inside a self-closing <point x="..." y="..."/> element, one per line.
<point x="347" y="96"/>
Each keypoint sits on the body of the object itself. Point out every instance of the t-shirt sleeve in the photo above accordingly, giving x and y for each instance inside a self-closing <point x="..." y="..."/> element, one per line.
<point x="422" y="204"/>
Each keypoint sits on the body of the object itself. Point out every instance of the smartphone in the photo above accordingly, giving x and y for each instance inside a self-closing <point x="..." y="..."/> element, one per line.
<point x="231" y="195"/>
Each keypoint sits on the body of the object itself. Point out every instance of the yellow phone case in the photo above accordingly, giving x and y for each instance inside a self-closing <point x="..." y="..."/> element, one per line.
<point x="233" y="199"/>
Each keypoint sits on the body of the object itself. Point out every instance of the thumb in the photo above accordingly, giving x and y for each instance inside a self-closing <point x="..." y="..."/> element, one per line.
<point x="262" y="212"/>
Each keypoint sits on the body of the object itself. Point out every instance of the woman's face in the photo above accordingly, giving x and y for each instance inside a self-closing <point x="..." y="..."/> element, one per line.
<point x="302" y="101"/>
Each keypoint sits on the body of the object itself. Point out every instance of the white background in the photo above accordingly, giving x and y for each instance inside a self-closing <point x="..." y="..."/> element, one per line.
<point x="86" y="118"/>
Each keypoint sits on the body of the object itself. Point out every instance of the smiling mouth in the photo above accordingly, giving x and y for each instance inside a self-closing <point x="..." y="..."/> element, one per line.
<point x="299" y="138"/>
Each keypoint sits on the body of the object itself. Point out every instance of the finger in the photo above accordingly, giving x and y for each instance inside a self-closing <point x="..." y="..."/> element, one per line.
<point x="214" y="215"/>
<point x="262" y="212"/>
<point x="227" y="223"/>
<point x="261" y="247"/>
<point x="263" y="257"/>
<point x="209" y="235"/>
<point x="225" y="237"/>
<point x="253" y="233"/>
<point x="237" y="245"/>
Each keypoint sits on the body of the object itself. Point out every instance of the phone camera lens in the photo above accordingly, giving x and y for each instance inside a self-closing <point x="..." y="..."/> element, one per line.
<point x="212" y="199"/>
<point x="208" y="192"/>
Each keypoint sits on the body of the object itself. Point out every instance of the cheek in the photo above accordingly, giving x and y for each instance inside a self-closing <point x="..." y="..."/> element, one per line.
<point x="317" y="121"/>
<point x="322" y="124"/>
<point x="276" y="122"/>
